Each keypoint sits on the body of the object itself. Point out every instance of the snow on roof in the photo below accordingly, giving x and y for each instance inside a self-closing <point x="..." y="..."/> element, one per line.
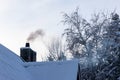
<point x="10" y="66"/>
<point x="9" y="55"/>
<point x="63" y="70"/>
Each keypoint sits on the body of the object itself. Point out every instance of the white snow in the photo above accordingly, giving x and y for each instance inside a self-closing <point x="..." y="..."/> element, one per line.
<point x="66" y="70"/>
<point x="12" y="68"/>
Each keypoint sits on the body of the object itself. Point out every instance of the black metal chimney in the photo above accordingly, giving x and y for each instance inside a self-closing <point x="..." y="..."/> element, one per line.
<point x="27" y="54"/>
<point x="27" y="45"/>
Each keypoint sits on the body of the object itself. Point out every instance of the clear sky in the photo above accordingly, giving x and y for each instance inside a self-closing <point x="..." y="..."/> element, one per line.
<point x="18" y="18"/>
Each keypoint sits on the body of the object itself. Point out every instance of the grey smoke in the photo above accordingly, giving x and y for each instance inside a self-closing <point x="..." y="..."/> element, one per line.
<point x="35" y="34"/>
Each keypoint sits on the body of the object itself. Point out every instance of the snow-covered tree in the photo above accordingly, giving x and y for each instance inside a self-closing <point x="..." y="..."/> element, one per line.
<point x="111" y="44"/>
<point x="84" y="38"/>
<point x="98" y="40"/>
<point x="56" y="51"/>
<point x="77" y="33"/>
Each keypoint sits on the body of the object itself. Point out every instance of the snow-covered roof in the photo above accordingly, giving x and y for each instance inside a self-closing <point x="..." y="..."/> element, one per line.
<point x="63" y="70"/>
<point x="10" y="66"/>
<point x="7" y="54"/>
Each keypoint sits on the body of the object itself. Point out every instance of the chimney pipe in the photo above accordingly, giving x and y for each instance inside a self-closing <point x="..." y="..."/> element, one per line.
<point x="27" y="45"/>
<point x="27" y="54"/>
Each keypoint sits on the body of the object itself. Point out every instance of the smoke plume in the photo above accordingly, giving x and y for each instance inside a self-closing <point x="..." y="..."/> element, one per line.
<point x="36" y="34"/>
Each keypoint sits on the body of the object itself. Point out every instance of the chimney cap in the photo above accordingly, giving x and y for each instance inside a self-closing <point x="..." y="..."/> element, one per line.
<point x="27" y="45"/>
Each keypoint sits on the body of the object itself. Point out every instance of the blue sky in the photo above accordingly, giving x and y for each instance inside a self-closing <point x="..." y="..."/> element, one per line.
<point x="18" y="18"/>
